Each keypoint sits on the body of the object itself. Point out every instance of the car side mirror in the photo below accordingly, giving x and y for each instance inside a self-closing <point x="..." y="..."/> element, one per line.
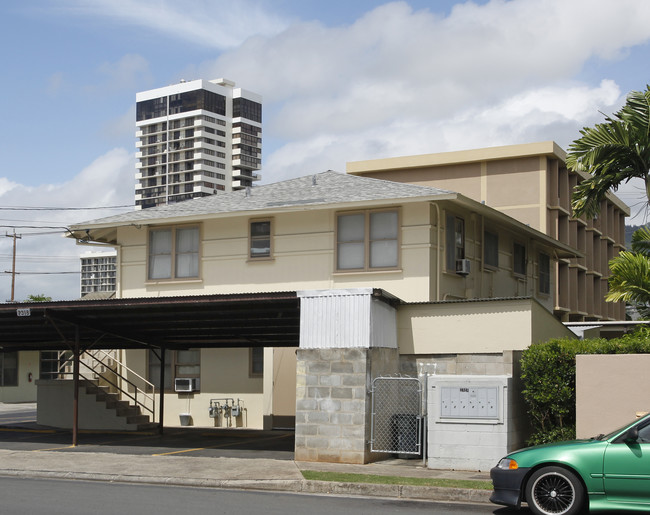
<point x="632" y="435"/>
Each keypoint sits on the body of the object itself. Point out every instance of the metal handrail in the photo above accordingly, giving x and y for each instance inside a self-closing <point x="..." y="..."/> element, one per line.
<point x="124" y="378"/>
<point x="144" y="394"/>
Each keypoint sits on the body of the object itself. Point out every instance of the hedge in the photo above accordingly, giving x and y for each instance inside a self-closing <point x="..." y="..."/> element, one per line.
<point x="549" y="380"/>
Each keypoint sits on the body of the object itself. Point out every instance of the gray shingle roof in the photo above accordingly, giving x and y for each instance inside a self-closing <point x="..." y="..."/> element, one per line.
<point x="319" y="189"/>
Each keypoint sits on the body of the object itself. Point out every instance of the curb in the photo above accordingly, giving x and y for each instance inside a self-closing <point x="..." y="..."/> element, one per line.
<point x="406" y="492"/>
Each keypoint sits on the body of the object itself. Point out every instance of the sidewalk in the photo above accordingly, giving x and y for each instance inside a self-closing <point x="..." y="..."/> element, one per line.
<point x="250" y="473"/>
<point x="232" y="473"/>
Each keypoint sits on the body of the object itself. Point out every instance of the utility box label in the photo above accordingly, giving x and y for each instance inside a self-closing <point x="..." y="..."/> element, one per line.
<point x="469" y="402"/>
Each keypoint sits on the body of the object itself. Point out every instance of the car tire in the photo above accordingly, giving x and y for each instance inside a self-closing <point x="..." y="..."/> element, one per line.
<point x="554" y="491"/>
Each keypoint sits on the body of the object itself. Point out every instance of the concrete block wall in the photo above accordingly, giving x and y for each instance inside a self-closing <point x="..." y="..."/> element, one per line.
<point x="460" y="364"/>
<point x="333" y="403"/>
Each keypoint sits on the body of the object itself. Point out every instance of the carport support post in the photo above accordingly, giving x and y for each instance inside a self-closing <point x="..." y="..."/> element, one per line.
<point x="75" y="401"/>
<point x="161" y="404"/>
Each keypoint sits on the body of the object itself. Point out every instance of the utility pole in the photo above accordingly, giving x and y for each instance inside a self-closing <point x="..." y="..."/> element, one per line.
<point x="13" y="264"/>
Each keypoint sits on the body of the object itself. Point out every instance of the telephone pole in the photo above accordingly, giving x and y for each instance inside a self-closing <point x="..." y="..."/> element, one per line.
<point x="13" y="263"/>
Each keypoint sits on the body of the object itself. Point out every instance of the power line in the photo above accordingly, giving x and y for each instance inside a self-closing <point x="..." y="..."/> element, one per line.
<point x="63" y="227"/>
<point x="43" y="273"/>
<point x="42" y="208"/>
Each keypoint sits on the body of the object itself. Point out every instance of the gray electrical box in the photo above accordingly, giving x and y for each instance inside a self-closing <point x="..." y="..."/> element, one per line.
<point x="480" y="402"/>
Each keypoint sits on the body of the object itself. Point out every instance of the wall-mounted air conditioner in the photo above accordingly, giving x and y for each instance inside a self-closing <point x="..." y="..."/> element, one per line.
<point x="186" y="384"/>
<point x="462" y="266"/>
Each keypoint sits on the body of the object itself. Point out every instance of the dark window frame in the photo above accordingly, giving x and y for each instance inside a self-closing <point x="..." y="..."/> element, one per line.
<point x="172" y="363"/>
<point x="490" y="249"/>
<point x="8" y="371"/>
<point x="257" y="237"/>
<point x="454" y="241"/>
<point x="544" y="274"/>
<point x="519" y="264"/>
<point x="256" y="362"/>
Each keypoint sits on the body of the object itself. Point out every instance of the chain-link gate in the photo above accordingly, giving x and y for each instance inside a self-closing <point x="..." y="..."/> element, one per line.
<point x="396" y="421"/>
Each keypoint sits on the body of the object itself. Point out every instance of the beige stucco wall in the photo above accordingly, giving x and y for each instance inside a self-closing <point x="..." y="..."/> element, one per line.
<point x="473" y="327"/>
<point x="224" y="374"/>
<point x="303" y="252"/>
<point x="510" y="185"/>
<point x="610" y="390"/>
<point x="28" y="362"/>
<point x="304" y="259"/>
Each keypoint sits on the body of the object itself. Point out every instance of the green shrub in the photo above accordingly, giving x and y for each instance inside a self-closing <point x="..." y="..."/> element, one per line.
<point x="549" y="379"/>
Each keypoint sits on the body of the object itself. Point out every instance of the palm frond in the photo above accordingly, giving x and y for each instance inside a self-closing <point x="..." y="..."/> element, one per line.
<point x="612" y="152"/>
<point x="641" y="241"/>
<point x="630" y="278"/>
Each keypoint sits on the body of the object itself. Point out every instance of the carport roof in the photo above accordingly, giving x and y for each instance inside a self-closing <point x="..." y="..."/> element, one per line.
<point x="237" y="320"/>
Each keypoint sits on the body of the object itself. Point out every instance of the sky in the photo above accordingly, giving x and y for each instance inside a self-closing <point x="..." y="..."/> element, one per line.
<point x="341" y="81"/>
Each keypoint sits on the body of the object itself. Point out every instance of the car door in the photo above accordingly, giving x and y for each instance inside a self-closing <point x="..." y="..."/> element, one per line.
<point x="626" y="468"/>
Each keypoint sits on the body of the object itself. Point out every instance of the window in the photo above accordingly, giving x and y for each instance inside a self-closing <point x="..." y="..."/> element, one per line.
<point x="181" y="363"/>
<point x="53" y="363"/>
<point x="455" y="241"/>
<point x="491" y="249"/>
<point x="174" y="253"/>
<point x="519" y="259"/>
<point x="544" y="273"/>
<point x="9" y="369"/>
<point x="256" y="362"/>
<point x="260" y="239"/>
<point x="367" y="240"/>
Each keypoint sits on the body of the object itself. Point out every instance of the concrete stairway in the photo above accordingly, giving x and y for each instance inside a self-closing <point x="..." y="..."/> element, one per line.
<point x="128" y="416"/>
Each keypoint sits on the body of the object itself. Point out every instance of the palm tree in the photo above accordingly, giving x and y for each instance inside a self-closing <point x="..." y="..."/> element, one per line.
<point x="630" y="274"/>
<point x="612" y="153"/>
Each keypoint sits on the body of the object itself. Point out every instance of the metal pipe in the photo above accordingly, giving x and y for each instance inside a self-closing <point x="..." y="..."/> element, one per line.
<point x="75" y="377"/>
<point x="161" y="405"/>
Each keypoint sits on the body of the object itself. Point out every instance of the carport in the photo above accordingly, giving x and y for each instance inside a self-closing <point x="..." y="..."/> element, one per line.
<point x="159" y="323"/>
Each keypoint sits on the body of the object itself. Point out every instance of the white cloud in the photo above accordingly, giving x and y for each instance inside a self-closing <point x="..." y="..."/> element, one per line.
<point x="108" y="181"/>
<point x="211" y="23"/>
<point x="394" y="82"/>
<point x="400" y="81"/>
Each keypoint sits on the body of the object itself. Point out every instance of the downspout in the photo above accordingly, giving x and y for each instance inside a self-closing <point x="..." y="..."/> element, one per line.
<point x="438" y="251"/>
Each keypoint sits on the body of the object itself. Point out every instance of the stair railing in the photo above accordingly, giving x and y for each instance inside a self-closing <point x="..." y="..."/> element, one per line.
<point x="145" y="401"/>
<point x="140" y="397"/>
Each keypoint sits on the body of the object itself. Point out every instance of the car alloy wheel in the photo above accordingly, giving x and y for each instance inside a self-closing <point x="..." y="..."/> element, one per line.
<point x="554" y="491"/>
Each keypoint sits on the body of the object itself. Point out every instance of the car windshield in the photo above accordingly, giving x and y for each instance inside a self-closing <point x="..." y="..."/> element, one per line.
<point x="615" y="432"/>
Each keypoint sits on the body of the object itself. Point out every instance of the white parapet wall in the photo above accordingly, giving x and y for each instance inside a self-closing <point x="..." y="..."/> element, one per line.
<point x="469" y="422"/>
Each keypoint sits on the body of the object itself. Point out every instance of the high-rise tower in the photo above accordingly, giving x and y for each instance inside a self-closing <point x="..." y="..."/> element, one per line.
<point x="196" y="138"/>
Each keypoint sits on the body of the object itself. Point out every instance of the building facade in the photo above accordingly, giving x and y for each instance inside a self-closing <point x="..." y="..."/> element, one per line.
<point x="335" y="239"/>
<point x="98" y="272"/>
<point x="532" y="184"/>
<point x="194" y="139"/>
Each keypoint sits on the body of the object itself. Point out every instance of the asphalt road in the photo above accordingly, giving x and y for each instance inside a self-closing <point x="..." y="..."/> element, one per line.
<point x="59" y="497"/>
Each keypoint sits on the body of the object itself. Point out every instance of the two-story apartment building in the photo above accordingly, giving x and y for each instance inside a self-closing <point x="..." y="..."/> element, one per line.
<point x="392" y="278"/>
<point x="532" y="184"/>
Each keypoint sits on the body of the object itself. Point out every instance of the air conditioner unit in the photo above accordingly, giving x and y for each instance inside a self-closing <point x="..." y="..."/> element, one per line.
<point x="462" y="266"/>
<point x="186" y="384"/>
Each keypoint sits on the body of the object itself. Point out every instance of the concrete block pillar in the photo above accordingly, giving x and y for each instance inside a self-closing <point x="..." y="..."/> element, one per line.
<point x="347" y="338"/>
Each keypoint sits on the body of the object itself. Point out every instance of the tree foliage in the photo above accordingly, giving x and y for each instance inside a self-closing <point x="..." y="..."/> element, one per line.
<point x="629" y="279"/>
<point x="612" y="152"/>
<point x="41" y="297"/>
<point x="548" y="373"/>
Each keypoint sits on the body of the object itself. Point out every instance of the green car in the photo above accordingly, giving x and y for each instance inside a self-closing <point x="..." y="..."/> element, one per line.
<point x="607" y="472"/>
